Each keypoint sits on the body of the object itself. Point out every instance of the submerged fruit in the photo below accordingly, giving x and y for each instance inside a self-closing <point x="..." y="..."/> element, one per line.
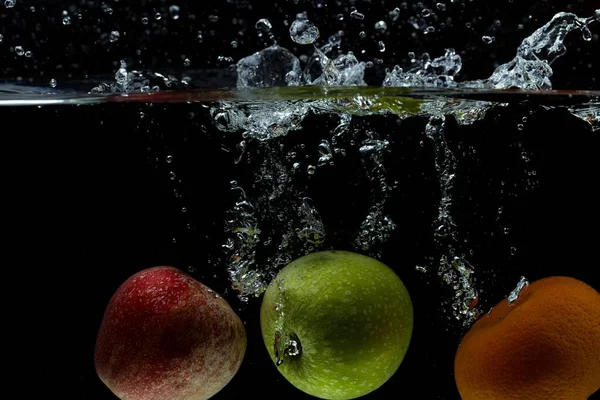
<point x="337" y="324"/>
<point x="167" y="336"/>
<point x="545" y="345"/>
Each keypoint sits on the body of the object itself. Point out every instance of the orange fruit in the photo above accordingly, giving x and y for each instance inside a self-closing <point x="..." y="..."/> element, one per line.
<point x="546" y="345"/>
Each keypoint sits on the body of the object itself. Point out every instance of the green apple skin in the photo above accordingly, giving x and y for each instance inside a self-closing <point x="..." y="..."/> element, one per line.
<point x="352" y="315"/>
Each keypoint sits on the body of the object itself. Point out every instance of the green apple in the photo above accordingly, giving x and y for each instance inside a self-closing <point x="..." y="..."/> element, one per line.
<point x="336" y="324"/>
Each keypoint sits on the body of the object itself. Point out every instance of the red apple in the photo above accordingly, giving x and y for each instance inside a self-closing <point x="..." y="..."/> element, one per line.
<point x="165" y="335"/>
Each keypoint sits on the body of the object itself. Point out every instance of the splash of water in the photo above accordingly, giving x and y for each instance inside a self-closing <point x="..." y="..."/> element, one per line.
<point x="240" y="247"/>
<point x="134" y="81"/>
<point x="299" y="220"/>
<point x="516" y="293"/>
<point x="455" y="271"/>
<point x="530" y="69"/>
<point x="377" y="227"/>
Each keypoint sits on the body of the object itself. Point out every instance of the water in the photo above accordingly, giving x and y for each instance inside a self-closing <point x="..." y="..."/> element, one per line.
<point x="461" y="185"/>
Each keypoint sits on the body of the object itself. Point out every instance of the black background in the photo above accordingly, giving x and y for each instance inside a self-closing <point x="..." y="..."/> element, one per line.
<point x="90" y="199"/>
<point x="96" y="205"/>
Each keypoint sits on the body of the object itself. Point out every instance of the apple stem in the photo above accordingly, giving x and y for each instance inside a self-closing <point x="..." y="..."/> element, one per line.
<point x="277" y="345"/>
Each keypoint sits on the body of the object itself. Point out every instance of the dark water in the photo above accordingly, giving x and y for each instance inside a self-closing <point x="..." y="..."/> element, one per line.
<point x="93" y="201"/>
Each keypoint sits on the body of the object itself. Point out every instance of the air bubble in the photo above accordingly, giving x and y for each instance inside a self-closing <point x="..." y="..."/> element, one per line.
<point x="488" y="39"/>
<point x="114" y="36"/>
<point x="304" y="32"/>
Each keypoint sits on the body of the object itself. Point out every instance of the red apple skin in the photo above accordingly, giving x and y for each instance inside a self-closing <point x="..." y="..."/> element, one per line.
<point x="165" y="335"/>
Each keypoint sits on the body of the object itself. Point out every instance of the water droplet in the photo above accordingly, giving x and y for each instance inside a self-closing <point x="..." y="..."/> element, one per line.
<point x="241" y="149"/>
<point x="174" y="11"/>
<point x="213" y="18"/>
<point x="66" y="20"/>
<point x="199" y="37"/>
<point x="191" y="268"/>
<point x="380" y="26"/>
<point x="234" y="44"/>
<point x="169" y="159"/>
<point x="356" y="15"/>
<point x="19" y="50"/>
<point x="183" y="209"/>
<point x="421" y="269"/>
<point x="441" y="6"/>
<point x="263" y="25"/>
<point x="362" y="34"/>
<point x="53" y="83"/>
<point x="514" y="295"/>
<point x="426" y="12"/>
<point x="311" y="169"/>
<point x="304" y="32"/>
<point x="520" y="127"/>
<point x="157" y="16"/>
<point x="429" y="29"/>
<point x="335" y="39"/>
<point x="506" y="230"/>
<point x="488" y="39"/>
<point x="114" y="36"/>
<point x="381" y="46"/>
<point x="1" y="38"/>
<point x="10" y="3"/>
<point x="145" y="20"/>
<point x="339" y="17"/>
<point x="106" y="8"/>
<point x="513" y="250"/>
<point x="28" y="54"/>
<point x="187" y="62"/>
<point x="394" y="14"/>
